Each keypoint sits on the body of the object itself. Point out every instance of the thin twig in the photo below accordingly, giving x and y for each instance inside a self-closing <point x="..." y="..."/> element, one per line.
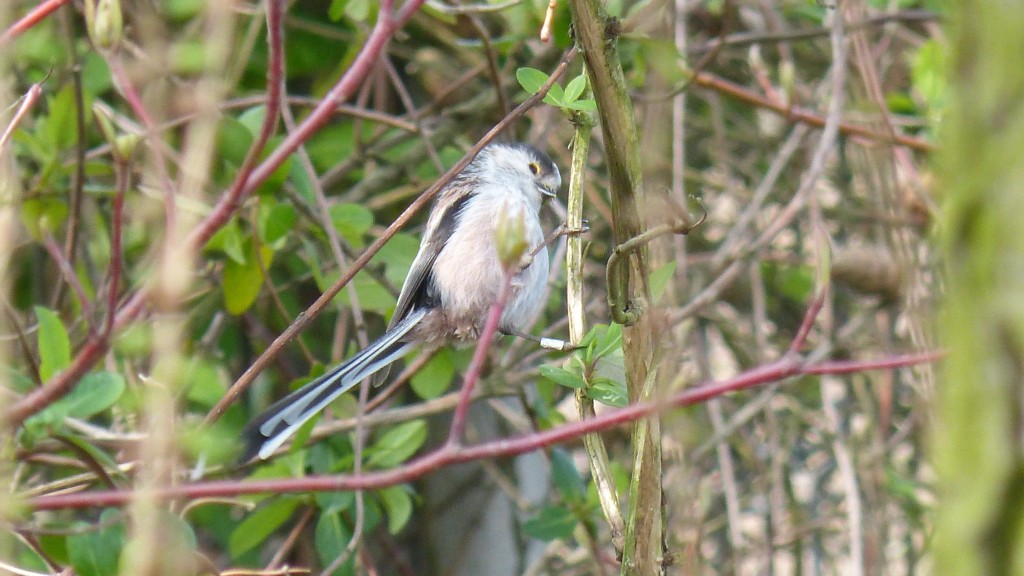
<point x="35" y="16"/>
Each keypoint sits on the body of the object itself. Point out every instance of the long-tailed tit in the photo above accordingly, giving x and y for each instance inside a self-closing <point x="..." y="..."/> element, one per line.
<point x="454" y="280"/>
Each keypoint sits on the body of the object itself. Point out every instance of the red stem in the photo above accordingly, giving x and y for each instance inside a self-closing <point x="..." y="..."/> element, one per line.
<point x="29" y="20"/>
<point x="449" y="454"/>
<point x="477" y="364"/>
<point x="115" y="242"/>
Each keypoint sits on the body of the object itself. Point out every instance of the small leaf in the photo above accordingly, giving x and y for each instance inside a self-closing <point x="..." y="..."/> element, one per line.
<point x="398" y="444"/>
<point x="555" y="96"/>
<point x="60" y="123"/>
<point x="358" y="10"/>
<point x="203" y="381"/>
<point x="608" y="392"/>
<point x="331" y="502"/>
<point x="95" y="393"/>
<point x="258" y="526"/>
<point x="229" y="240"/>
<point x="531" y="79"/>
<point x="243" y="281"/>
<point x="587" y="105"/>
<point x="552" y="523"/>
<point x="433" y="379"/>
<point x="574" y="89"/>
<point x="54" y="345"/>
<point x="607" y="339"/>
<point x="43" y="215"/>
<point x="276" y="220"/>
<point x="565" y="476"/>
<point x="397" y="503"/>
<point x="96" y="552"/>
<point x="351" y="221"/>
<point x="562" y="377"/>
<point x="233" y="140"/>
<point x="331" y="538"/>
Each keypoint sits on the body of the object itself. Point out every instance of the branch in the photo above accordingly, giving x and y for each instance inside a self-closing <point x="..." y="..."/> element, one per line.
<point x="29" y="20"/>
<point x="786" y="367"/>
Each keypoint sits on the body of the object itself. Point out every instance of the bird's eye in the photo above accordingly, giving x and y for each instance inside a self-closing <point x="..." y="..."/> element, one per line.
<point x="534" y="168"/>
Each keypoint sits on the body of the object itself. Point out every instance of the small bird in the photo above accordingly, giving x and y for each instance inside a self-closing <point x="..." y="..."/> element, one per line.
<point x="454" y="280"/>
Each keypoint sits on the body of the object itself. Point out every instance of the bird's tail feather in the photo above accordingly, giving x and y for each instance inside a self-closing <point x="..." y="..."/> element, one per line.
<point x="268" y="431"/>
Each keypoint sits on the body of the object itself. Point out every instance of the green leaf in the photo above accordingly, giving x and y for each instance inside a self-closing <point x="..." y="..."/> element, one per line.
<point x="54" y="345"/>
<point x="229" y="240"/>
<point x="531" y="79"/>
<point x="553" y="522"/>
<point x="587" y="105"/>
<point x="397" y="502"/>
<point x="95" y="393"/>
<point x="243" y="281"/>
<point x="351" y="221"/>
<point x="42" y="215"/>
<point x="252" y="119"/>
<point x="565" y="476"/>
<point x="574" y="89"/>
<point x="61" y="127"/>
<point x="331" y="502"/>
<point x="658" y="280"/>
<point x="96" y="77"/>
<point x="331" y="538"/>
<point x="233" y="140"/>
<point x="555" y="96"/>
<point x="276" y="220"/>
<point x="96" y="552"/>
<point x="204" y="382"/>
<point x="398" y="444"/>
<point x="608" y="392"/>
<point x="562" y="377"/>
<point x="603" y="339"/>
<point x="433" y="379"/>
<point x="258" y="526"/>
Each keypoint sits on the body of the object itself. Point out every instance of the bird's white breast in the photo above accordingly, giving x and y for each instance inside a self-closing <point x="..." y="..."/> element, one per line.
<point x="468" y="273"/>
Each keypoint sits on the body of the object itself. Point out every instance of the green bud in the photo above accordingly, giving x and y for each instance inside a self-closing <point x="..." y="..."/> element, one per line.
<point x="105" y="23"/>
<point x="124" y="145"/>
<point x="105" y="123"/>
<point x="510" y="239"/>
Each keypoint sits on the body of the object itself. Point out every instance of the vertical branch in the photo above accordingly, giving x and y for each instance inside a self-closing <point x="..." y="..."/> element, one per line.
<point x="596" y="35"/>
<point x="597" y="455"/>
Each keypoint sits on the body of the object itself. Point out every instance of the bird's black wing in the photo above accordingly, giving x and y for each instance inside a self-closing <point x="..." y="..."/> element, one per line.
<point x="418" y="289"/>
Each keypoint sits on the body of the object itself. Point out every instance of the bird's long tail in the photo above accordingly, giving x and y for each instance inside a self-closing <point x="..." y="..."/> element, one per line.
<point x="268" y="431"/>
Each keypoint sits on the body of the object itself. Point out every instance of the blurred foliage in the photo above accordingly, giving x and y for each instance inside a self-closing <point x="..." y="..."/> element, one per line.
<point x="752" y="486"/>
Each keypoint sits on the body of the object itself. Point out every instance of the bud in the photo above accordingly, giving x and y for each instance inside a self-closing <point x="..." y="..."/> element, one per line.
<point x="105" y="23"/>
<point x="510" y="239"/>
<point x="124" y="145"/>
<point x="105" y="123"/>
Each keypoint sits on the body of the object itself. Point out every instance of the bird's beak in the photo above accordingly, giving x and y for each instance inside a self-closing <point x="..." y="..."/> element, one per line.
<point x="547" y="190"/>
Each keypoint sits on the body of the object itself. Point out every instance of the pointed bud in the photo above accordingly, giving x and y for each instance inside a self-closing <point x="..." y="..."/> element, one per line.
<point x="510" y="239"/>
<point x="105" y="23"/>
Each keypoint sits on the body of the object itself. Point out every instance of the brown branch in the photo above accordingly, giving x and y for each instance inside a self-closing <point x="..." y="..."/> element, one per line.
<point x="793" y="114"/>
<point x="781" y="369"/>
